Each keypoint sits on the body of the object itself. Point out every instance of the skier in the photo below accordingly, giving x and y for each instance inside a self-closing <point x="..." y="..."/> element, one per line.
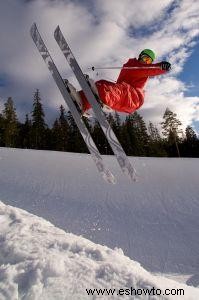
<point x="127" y="94"/>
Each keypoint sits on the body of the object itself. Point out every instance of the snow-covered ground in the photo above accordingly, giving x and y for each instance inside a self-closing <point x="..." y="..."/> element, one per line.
<point x="40" y="261"/>
<point x="154" y="221"/>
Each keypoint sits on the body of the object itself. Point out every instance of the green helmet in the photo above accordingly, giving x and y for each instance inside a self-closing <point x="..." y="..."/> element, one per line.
<point x="148" y="52"/>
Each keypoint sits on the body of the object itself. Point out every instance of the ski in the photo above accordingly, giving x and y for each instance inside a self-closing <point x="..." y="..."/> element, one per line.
<point x="122" y="158"/>
<point x="97" y="158"/>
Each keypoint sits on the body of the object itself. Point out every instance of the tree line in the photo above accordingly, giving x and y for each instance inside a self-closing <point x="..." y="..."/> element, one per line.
<point x="137" y="138"/>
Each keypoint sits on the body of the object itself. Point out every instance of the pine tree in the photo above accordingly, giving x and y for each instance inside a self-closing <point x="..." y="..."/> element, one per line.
<point x="171" y="130"/>
<point x="190" y="144"/>
<point x="135" y="135"/>
<point x="38" y="123"/>
<point x="190" y="134"/>
<point x="116" y="124"/>
<point x="60" y="132"/>
<point x="2" y="127"/>
<point x="100" y="139"/>
<point x="25" y="133"/>
<point x="55" y="135"/>
<point x="153" y="132"/>
<point x="10" y="130"/>
<point x="155" y="142"/>
<point x="142" y="135"/>
<point x="75" y="140"/>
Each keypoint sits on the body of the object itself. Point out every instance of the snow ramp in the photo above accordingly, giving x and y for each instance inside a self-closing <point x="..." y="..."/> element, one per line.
<point x="154" y="221"/>
<point x="40" y="261"/>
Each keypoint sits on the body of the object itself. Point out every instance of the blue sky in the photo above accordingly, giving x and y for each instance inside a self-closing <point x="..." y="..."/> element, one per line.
<point x="190" y="73"/>
<point x="102" y="32"/>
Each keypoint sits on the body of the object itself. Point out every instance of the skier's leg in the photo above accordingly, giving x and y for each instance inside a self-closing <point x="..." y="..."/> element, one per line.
<point x="121" y="97"/>
<point x="77" y="99"/>
<point x="109" y="93"/>
<point x="93" y="86"/>
<point x="86" y="105"/>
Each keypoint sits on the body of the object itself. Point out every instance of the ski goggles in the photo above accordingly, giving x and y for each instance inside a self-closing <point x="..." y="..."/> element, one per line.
<point x="147" y="59"/>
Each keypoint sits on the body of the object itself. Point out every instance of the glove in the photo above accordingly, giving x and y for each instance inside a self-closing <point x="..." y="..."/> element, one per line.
<point x="164" y="65"/>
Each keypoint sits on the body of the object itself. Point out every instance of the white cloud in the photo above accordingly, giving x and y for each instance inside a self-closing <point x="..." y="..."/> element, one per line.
<point x="128" y="12"/>
<point x="105" y="35"/>
<point x="169" y="92"/>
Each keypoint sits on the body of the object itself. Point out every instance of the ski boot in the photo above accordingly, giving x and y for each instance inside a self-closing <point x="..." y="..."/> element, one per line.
<point x="76" y="98"/>
<point x="74" y="95"/>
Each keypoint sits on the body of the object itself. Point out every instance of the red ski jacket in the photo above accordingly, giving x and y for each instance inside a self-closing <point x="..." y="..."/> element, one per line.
<point x="127" y="94"/>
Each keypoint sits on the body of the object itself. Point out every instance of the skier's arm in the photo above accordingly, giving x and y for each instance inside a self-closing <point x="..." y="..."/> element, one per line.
<point x="144" y="70"/>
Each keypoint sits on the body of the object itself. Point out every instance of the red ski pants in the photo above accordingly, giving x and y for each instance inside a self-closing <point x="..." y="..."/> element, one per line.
<point x="121" y="97"/>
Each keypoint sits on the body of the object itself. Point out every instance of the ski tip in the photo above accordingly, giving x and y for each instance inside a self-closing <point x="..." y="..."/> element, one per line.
<point x="33" y="28"/>
<point x="56" y="31"/>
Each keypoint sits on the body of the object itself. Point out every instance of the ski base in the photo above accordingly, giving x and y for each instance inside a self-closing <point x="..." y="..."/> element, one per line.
<point x="121" y="157"/>
<point x="97" y="158"/>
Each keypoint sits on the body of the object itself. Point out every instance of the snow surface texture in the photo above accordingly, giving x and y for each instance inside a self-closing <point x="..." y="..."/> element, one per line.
<point x="155" y="221"/>
<point x="40" y="261"/>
